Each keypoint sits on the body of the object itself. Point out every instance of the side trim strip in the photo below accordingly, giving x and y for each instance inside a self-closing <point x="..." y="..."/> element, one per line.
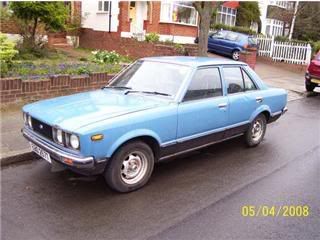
<point x="183" y="139"/>
<point x="199" y="147"/>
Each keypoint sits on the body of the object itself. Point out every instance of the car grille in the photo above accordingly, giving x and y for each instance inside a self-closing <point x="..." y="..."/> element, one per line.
<point x="42" y="128"/>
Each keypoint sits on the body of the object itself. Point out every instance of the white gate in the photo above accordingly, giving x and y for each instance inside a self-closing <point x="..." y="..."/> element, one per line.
<point x="290" y="52"/>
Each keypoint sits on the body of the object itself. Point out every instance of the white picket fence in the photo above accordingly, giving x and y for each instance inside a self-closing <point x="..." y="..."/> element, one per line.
<point x="296" y="53"/>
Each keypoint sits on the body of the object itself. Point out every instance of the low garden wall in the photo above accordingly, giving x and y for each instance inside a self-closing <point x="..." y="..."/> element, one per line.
<point x="127" y="46"/>
<point x="297" y="68"/>
<point x="17" y="91"/>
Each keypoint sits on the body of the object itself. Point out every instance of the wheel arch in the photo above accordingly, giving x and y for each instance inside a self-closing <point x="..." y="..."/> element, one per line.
<point x="146" y="136"/>
<point x="265" y="110"/>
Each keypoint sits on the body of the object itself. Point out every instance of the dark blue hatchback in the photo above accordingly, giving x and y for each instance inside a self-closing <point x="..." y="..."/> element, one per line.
<point x="230" y="43"/>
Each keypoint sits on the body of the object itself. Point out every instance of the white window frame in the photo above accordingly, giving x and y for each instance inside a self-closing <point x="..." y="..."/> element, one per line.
<point x="225" y="11"/>
<point x="170" y="5"/>
<point x="103" y="4"/>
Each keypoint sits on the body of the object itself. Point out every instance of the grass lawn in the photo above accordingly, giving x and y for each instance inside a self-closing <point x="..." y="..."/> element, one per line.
<point x="60" y="61"/>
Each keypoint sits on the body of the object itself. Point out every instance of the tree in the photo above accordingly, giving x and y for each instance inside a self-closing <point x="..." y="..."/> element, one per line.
<point x="205" y="10"/>
<point x="247" y="13"/>
<point x="307" y="24"/>
<point x="52" y="15"/>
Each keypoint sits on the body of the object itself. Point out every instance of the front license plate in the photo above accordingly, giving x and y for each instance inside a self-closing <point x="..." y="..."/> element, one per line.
<point x="40" y="152"/>
<point x="315" y="81"/>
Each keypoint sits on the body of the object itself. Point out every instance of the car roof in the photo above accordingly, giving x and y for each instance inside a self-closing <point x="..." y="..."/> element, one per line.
<point x="193" y="61"/>
<point x="242" y="34"/>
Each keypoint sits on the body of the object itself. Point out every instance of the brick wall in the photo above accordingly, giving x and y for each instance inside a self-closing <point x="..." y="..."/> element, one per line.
<point x="249" y="57"/>
<point x="127" y="46"/>
<point x="16" y="90"/>
<point x="153" y="24"/>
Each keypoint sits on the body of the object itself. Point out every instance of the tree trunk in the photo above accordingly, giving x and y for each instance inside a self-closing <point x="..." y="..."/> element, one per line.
<point x="205" y="11"/>
<point x="34" y="30"/>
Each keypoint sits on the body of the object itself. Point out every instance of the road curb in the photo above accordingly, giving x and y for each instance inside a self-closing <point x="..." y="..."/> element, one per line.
<point x="20" y="157"/>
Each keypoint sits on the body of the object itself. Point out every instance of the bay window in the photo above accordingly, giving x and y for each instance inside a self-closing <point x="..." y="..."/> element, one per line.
<point x="178" y="12"/>
<point x="226" y="16"/>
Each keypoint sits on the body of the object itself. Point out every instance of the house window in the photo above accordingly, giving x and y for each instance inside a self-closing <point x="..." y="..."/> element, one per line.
<point x="178" y="12"/>
<point x="226" y="16"/>
<point x="103" y="6"/>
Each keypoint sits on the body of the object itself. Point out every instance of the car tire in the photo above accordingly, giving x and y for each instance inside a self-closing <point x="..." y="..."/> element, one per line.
<point x="130" y="167"/>
<point x="255" y="134"/>
<point x="235" y="55"/>
<point x="310" y="86"/>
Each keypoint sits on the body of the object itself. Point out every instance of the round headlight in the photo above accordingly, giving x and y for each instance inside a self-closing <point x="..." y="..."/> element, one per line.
<point x="29" y="121"/>
<point x="74" y="141"/>
<point x="59" y="136"/>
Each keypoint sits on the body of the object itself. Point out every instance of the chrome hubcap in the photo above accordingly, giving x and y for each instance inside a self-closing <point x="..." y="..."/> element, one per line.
<point x="257" y="130"/>
<point x="235" y="55"/>
<point x="134" y="167"/>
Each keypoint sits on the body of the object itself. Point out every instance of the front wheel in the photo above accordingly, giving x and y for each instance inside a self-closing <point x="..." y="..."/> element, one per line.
<point x="310" y="86"/>
<point x="256" y="131"/>
<point x="236" y="55"/>
<point x="131" y="167"/>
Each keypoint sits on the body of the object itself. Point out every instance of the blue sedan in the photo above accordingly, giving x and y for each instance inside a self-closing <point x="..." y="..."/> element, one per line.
<point x="155" y="109"/>
<point x="230" y="43"/>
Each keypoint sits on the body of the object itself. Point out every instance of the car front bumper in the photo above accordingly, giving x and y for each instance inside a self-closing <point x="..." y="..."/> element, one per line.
<point x="77" y="163"/>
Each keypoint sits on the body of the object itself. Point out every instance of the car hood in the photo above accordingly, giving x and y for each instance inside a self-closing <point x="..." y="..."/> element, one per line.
<point x="78" y="110"/>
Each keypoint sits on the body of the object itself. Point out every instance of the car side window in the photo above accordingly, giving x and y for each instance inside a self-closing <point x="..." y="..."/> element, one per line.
<point x="248" y="83"/>
<point x="233" y="79"/>
<point x="219" y="34"/>
<point x="232" y="36"/>
<point x="205" y="83"/>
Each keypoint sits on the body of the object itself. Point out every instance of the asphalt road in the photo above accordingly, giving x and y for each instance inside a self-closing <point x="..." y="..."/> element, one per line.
<point x="199" y="196"/>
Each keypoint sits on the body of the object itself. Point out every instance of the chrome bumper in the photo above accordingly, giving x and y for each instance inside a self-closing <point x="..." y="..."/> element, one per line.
<point x="58" y="154"/>
<point x="284" y="110"/>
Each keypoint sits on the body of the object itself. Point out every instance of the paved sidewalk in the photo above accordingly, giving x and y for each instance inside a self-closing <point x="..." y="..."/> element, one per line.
<point x="12" y="143"/>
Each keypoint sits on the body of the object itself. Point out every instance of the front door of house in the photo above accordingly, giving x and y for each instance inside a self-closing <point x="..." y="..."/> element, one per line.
<point x="136" y="14"/>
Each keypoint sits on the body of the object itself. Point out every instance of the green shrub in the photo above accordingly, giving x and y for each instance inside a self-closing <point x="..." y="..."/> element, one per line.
<point x="315" y="46"/>
<point x="102" y="56"/>
<point x="7" y="52"/>
<point x="152" y="37"/>
<point x="244" y="30"/>
<point x="180" y="49"/>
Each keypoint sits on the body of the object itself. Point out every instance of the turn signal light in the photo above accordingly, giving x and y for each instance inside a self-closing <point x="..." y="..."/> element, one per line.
<point x="68" y="161"/>
<point x="97" y="137"/>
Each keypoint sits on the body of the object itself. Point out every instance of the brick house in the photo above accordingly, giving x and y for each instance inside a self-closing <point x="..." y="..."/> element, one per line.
<point x="174" y="21"/>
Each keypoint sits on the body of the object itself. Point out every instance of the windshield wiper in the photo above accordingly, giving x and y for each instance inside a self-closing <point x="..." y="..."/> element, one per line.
<point x="117" y="87"/>
<point x="147" y="92"/>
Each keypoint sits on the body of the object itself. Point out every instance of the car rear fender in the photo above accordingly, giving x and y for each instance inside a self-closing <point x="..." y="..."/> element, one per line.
<point x="265" y="109"/>
<point x="132" y="135"/>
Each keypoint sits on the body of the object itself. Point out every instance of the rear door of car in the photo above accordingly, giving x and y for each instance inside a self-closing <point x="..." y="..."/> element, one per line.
<point x="244" y="98"/>
<point x="203" y="112"/>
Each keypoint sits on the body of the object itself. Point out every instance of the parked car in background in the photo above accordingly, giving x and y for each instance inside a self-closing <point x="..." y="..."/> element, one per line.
<point x="230" y="43"/>
<point x="312" y="75"/>
<point x="155" y="109"/>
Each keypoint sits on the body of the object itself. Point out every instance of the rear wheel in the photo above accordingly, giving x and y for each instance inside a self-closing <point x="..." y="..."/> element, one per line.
<point x="131" y="167"/>
<point x="256" y="131"/>
<point x="236" y="55"/>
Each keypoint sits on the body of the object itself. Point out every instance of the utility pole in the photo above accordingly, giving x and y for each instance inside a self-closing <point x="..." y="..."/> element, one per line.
<point x="293" y="19"/>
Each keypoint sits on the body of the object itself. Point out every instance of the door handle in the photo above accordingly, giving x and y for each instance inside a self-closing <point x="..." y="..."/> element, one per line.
<point x="223" y="105"/>
<point x="259" y="99"/>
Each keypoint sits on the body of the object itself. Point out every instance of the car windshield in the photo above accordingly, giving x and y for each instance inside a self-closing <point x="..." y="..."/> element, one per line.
<point x="151" y="78"/>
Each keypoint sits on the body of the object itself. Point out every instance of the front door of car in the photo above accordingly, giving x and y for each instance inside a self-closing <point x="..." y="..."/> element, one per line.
<point x="214" y="41"/>
<point x="244" y="98"/>
<point x="203" y="113"/>
<point x="229" y="42"/>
